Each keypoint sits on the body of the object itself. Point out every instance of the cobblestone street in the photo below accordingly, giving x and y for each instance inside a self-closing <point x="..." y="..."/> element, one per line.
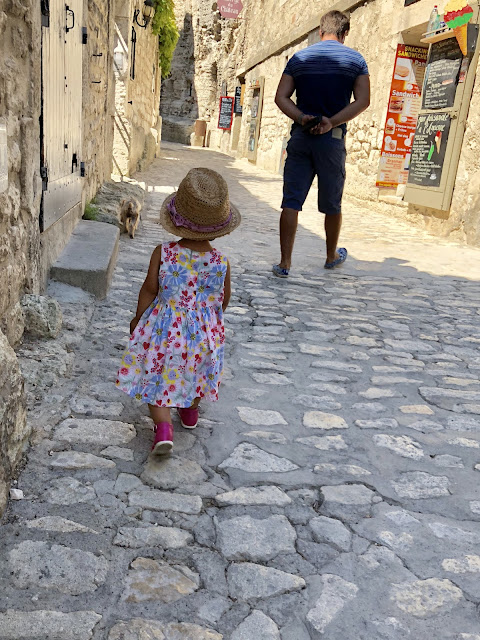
<point x="332" y="492"/>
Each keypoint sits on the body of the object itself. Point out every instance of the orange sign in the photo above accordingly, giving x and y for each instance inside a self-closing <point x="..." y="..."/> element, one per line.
<point x="403" y="107"/>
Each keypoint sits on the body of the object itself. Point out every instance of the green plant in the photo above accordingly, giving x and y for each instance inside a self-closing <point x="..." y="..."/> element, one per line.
<point x="91" y="211"/>
<point x="164" y="25"/>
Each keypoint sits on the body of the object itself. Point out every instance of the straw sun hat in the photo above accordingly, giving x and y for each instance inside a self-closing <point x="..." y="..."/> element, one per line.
<point x="200" y="209"/>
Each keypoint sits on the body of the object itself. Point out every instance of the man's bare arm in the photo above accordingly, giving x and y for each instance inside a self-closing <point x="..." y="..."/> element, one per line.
<point x="283" y="100"/>
<point x="361" y="94"/>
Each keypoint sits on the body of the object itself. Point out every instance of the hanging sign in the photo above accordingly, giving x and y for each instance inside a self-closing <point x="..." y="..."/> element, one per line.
<point x="428" y="151"/>
<point x="225" y="112"/>
<point x="230" y="8"/>
<point x="442" y="74"/>
<point x="402" y="114"/>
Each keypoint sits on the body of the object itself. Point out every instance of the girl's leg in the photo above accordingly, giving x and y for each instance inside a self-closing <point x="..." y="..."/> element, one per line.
<point x="189" y="416"/>
<point x="159" y="414"/>
<point x="163" y="440"/>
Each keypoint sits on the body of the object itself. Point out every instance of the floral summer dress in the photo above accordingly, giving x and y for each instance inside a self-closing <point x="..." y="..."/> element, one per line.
<point x="176" y="351"/>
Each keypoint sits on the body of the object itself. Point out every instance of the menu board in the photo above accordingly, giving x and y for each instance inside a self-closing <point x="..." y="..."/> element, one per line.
<point x="428" y="150"/>
<point x="225" y="112"/>
<point x="441" y="78"/>
<point x="403" y="108"/>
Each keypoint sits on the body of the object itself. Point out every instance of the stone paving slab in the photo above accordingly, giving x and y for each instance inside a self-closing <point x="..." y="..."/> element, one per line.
<point x="331" y="493"/>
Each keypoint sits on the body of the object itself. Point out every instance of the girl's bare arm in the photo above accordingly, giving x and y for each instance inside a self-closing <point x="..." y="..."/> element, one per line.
<point x="227" y="288"/>
<point x="149" y="289"/>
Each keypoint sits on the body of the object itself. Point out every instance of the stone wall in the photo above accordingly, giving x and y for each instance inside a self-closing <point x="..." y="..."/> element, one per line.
<point x="19" y="211"/>
<point x="137" y="99"/>
<point x="20" y="202"/>
<point x="261" y="47"/>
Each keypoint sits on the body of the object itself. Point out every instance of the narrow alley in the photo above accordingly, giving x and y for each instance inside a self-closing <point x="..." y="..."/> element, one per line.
<point x="332" y="492"/>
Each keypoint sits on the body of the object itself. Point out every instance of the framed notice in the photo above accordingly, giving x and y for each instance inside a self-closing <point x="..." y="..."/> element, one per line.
<point x="428" y="150"/>
<point x="403" y="107"/>
<point x="442" y="75"/>
<point x="225" y="112"/>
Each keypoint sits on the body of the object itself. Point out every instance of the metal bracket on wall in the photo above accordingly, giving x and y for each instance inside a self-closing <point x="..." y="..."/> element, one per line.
<point x="45" y="11"/>
<point x="71" y="13"/>
<point x="134" y="53"/>
<point x="84" y="35"/>
<point x="44" y="176"/>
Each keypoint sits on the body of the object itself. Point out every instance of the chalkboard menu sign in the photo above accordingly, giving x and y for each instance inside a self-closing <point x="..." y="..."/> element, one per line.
<point x="225" y="115"/>
<point x="441" y="77"/>
<point x="238" y="100"/>
<point x="428" y="150"/>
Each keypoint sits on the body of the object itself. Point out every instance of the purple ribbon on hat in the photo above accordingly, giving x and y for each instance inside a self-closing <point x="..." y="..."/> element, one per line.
<point x="179" y="221"/>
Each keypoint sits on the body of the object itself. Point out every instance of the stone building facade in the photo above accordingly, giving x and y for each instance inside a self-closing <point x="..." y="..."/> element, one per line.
<point x="76" y="101"/>
<point x="205" y="57"/>
<point x="251" y="48"/>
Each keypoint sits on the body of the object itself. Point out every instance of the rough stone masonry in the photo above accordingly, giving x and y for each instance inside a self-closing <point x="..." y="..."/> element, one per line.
<point x="331" y="493"/>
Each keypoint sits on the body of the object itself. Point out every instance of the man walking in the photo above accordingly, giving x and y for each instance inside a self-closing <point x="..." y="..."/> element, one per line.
<point x="324" y="77"/>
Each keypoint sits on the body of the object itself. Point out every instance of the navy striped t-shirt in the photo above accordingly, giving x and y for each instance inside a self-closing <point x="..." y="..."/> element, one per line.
<point x="324" y="75"/>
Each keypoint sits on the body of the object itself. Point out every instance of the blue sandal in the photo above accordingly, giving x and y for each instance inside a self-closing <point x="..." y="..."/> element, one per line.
<point x="279" y="271"/>
<point x="342" y="256"/>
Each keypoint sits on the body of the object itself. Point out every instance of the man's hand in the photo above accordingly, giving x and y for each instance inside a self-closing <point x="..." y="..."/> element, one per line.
<point x="304" y="119"/>
<point x="324" y="127"/>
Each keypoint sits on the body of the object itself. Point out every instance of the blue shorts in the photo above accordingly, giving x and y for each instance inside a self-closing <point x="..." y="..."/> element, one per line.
<point x="309" y="156"/>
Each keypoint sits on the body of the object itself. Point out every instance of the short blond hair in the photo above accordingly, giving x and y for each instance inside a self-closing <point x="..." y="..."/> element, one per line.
<point x="335" y="23"/>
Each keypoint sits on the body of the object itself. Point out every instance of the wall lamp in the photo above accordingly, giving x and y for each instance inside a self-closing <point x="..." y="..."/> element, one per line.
<point x="147" y="13"/>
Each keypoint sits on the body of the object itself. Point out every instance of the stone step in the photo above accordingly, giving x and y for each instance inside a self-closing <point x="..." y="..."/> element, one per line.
<point x="89" y="258"/>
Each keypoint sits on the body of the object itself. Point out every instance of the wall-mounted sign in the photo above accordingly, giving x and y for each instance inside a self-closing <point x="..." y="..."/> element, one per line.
<point x="409" y="2"/>
<point x="428" y="151"/>
<point x="402" y="113"/>
<point x="3" y="158"/>
<point x="238" y="108"/>
<point x="230" y="8"/>
<point x="225" y="112"/>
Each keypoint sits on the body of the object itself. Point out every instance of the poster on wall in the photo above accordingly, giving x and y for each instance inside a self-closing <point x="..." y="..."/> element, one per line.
<point x="225" y="112"/>
<point x="402" y="113"/>
<point x="428" y="150"/>
<point x="442" y="75"/>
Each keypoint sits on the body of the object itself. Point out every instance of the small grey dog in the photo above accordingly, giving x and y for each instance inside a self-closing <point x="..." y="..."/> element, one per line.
<point x="130" y="216"/>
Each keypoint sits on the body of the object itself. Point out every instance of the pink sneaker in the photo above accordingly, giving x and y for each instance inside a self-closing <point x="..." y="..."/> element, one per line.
<point x="163" y="441"/>
<point x="188" y="418"/>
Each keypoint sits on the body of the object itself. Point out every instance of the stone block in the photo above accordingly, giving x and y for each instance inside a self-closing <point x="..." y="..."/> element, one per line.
<point x="43" y="316"/>
<point x="89" y="258"/>
<point x="54" y="625"/>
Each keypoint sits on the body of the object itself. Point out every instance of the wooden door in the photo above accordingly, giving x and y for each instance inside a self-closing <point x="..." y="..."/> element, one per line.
<point x="61" y="109"/>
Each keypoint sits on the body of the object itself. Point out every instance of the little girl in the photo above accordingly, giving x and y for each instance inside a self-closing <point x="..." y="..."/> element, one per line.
<point x="175" y="355"/>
